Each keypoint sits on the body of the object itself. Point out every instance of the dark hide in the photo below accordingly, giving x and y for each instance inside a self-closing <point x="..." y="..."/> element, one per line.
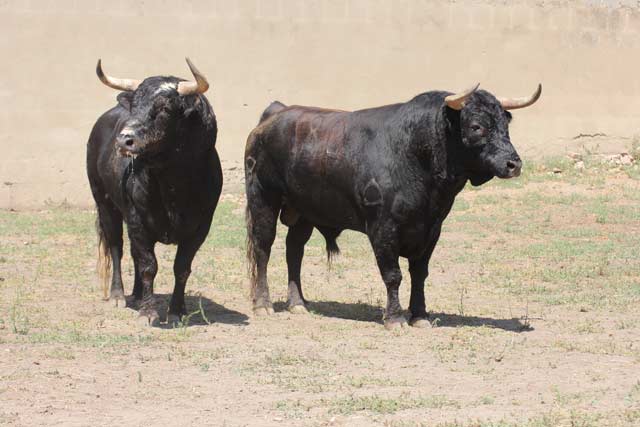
<point x="390" y="172"/>
<point x="273" y="108"/>
<point x="152" y="162"/>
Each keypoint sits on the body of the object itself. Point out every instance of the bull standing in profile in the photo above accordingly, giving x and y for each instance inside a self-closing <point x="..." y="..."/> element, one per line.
<point x="152" y="162"/>
<point x="391" y="172"/>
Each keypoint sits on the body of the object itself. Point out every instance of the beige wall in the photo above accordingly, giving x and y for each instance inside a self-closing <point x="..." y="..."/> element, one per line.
<point x="346" y="54"/>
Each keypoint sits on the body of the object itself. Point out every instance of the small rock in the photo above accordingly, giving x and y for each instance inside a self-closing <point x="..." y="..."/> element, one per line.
<point x="579" y="165"/>
<point x="626" y="159"/>
<point x="613" y="159"/>
<point x="556" y="170"/>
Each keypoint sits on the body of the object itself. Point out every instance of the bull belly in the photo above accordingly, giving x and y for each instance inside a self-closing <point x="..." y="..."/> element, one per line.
<point x="327" y="210"/>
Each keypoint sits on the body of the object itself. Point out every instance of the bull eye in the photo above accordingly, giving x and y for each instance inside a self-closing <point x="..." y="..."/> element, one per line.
<point x="478" y="129"/>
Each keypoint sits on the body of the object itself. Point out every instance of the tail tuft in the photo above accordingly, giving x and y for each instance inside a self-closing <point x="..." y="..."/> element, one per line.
<point x="104" y="259"/>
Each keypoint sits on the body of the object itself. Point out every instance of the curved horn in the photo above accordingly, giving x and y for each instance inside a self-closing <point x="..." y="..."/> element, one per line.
<point x="127" y="85"/>
<point x="513" y="103"/>
<point x="456" y="101"/>
<point x="190" y="87"/>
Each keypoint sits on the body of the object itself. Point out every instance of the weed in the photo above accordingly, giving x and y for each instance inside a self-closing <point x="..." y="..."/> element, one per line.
<point x="18" y="316"/>
<point x="387" y="405"/>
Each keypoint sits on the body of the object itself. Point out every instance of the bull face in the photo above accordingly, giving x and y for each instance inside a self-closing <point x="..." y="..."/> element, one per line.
<point x="484" y="129"/>
<point x="484" y="133"/>
<point x="156" y="105"/>
<point x="154" y="109"/>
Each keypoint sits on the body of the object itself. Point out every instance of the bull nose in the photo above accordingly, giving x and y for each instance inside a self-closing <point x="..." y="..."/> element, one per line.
<point x="127" y="144"/>
<point x="514" y="167"/>
<point x="125" y="141"/>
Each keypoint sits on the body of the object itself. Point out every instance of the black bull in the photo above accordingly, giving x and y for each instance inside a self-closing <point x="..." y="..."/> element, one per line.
<point x="391" y="172"/>
<point x="152" y="162"/>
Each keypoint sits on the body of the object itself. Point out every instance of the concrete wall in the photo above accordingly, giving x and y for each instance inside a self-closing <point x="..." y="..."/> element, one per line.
<point x="345" y="54"/>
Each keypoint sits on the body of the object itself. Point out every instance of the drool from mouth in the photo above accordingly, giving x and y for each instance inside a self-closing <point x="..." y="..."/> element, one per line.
<point x="126" y="153"/>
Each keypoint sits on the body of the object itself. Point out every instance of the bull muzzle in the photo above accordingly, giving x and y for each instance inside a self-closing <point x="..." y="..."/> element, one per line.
<point x="513" y="167"/>
<point x="127" y="144"/>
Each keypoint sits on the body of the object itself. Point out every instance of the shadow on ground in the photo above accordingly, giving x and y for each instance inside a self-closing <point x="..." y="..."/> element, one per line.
<point x="365" y="312"/>
<point x="202" y="311"/>
<point x="445" y="320"/>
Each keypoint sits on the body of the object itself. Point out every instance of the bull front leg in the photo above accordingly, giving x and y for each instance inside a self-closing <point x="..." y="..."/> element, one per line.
<point x="182" y="270"/>
<point x="419" y="271"/>
<point x="144" y="258"/>
<point x="385" y="246"/>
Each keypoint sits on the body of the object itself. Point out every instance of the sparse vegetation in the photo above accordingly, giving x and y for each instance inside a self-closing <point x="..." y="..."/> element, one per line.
<point x="534" y="289"/>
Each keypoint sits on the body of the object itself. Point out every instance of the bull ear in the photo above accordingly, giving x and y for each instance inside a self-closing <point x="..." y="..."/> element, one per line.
<point x="478" y="179"/>
<point x="193" y="108"/>
<point x="125" y="99"/>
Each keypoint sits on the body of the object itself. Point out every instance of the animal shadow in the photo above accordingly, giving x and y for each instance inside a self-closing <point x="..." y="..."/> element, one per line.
<point x="201" y="311"/>
<point x="360" y="311"/>
<point x="514" y="324"/>
<point x="365" y="312"/>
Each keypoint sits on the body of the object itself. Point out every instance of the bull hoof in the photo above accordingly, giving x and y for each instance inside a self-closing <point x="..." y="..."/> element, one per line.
<point x="149" y="319"/>
<point x="420" y="322"/>
<point x="174" y="320"/>
<point x="263" y="311"/>
<point x="118" y="301"/>
<point x="396" y="323"/>
<point x="298" y="309"/>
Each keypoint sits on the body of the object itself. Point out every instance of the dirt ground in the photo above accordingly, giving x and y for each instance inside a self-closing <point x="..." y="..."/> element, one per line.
<point x="534" y="296"/>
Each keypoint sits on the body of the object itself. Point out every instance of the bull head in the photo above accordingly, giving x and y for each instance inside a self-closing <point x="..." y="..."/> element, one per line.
<point x="482" y="122"/>
<point x="159" y="108"/>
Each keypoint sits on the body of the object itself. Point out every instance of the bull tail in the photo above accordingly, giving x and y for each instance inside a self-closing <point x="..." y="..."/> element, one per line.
<point x="273" y="108"/>
<point x="104" y="259"/>
<point x="251" y="254"/>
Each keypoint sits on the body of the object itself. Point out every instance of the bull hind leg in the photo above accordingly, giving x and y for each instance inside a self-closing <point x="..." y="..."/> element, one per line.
<point x="109" y="227"/>
<point x="297" y="236"/>
<point x="262" y="216"/>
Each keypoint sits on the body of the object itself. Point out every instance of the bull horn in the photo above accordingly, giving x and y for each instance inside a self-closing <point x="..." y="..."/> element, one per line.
<point x="513" y="103"/>
<point x="127" y="85"/>
<point x="456" y="101"/>
<point x="190" y="87"/>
